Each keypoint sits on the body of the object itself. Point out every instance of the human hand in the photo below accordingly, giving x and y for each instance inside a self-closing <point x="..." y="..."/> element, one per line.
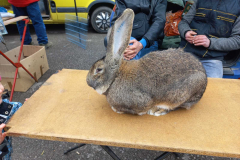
<point x="1" y="92"/>
<point x="132" y="50"/>
<point x="201" y="40"/>
<point x="2" y="135"/>
<point x="190" y="35"/>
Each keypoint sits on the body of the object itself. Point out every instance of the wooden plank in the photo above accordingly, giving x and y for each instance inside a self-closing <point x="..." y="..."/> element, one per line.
<point x="5" y="18"/>
<point x="13" y="20"/>
<point x="66" y="109"/>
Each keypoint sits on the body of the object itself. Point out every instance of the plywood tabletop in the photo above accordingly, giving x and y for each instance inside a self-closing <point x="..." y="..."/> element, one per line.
<point x="8" y="21"/>
<point x="66" y="109"/>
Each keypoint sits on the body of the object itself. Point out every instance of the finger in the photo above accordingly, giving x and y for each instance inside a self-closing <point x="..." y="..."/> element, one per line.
<point x="190" y="34"/>
<point x="1" y="88"/>
<point x="200" y="44"/>
<point x="131" y="52"/>
<point x="127" y="51"/>
<point x="190" y="38"/>
<point x="200" y="37"/>
<point x="125" y="57"/>
<point x="193" y="33"/>
<point x="190" y="41"/>
<point x="132" y="57"/>
<point x="132" y="47"/>
<point x="132" y="41"/>
<point x="199" y="41"/>
<point x="4" y="135"/>
<point x="2" y="126"/>
<point x="128" y="46"/>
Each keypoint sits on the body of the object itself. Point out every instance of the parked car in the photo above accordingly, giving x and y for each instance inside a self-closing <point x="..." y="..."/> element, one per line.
<point x="53" y="11"/>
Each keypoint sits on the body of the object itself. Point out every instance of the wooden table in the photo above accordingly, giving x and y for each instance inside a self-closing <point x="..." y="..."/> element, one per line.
<point x="66" y="109"/>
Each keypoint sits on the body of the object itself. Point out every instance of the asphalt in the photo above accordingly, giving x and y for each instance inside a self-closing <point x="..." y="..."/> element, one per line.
<point x="64" y="54"/>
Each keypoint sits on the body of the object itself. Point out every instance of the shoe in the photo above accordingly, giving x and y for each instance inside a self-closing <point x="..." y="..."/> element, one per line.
<point x="48" y="45"/>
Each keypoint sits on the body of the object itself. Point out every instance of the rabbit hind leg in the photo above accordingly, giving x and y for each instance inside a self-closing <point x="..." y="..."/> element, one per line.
<point x="193" y="100"/>
<point x="196" y="87"/>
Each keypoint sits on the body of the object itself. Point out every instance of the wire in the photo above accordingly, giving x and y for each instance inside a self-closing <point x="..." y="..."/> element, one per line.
<point x="3" y="42"/>
<point x="5" y="45"/>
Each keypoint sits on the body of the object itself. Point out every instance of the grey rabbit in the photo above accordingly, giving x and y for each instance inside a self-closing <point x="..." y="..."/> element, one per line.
<point x="159" y="82"/>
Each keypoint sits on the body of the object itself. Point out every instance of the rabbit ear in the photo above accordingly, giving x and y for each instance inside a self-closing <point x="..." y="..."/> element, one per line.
<point x="119" y="35"/>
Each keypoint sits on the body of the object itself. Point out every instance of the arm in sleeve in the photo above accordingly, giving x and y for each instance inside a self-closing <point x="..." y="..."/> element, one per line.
<point x="227" y="44"/>
<point x="183" y="26"/>
<point x="158" y="22"/>
<point x="3" y="149"/>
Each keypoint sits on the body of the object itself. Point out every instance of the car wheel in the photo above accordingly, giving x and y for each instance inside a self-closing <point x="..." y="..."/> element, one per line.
<point x="100" y="19"/>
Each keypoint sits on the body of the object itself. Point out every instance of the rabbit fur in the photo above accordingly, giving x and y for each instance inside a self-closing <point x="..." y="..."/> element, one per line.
<point x="159" y="82"/>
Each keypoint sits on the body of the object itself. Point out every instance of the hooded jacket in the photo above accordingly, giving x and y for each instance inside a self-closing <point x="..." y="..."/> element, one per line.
<point x="157" y="20"/>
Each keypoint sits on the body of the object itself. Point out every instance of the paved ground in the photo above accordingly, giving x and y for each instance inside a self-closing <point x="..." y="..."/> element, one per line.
<point x="67" y="55"/>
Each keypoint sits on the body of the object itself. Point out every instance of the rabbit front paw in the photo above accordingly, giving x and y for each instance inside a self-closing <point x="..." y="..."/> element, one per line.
<point x="116" y="110"/>
<point x="159" y="112"/>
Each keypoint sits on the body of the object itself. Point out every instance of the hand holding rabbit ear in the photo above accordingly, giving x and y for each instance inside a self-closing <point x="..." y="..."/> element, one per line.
<point x="132" y="50"/>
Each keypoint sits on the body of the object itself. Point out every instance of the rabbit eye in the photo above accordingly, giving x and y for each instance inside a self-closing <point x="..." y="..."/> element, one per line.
<point x="99" y="70"/>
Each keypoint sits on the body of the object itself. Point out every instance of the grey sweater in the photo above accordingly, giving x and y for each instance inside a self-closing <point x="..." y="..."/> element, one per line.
<point x="219" y="44"/>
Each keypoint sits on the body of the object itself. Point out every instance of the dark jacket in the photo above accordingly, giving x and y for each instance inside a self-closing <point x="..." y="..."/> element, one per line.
<point x="21" y="3"/>
<point x="214" y="19"/>
<point x="158" y="18"/>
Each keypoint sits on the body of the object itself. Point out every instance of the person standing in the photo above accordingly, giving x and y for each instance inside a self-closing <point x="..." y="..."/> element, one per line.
<point x="31" y="9"/>
<point x="209" y="30"/>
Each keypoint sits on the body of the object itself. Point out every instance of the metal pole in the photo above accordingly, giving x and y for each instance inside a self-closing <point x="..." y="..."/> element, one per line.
<point x="70" y="150"/>
<point x="23" y="37"/>
<point x="110" y="152"/>
<point x="162" y="156"/>
<point x="19" y="58"/>
<point x="77" y="18"/>
<point x="18" y="64"/>
<point x="75" y="8"/>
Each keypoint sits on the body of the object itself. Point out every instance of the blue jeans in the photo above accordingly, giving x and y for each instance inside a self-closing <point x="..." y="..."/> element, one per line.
<point x="214" y="68"/>
<point x="33" y="12"/>
<point x="145" y="51"/>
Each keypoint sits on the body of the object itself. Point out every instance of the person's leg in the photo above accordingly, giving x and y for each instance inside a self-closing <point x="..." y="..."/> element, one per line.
<point x="37" y="21"/>
<point x="145" y="51"/>
<point x="21" y="11"/>
<point x="214" y="68"/>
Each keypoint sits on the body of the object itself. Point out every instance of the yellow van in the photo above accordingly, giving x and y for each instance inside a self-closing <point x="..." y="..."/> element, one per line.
<point x="53" y="11"/>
